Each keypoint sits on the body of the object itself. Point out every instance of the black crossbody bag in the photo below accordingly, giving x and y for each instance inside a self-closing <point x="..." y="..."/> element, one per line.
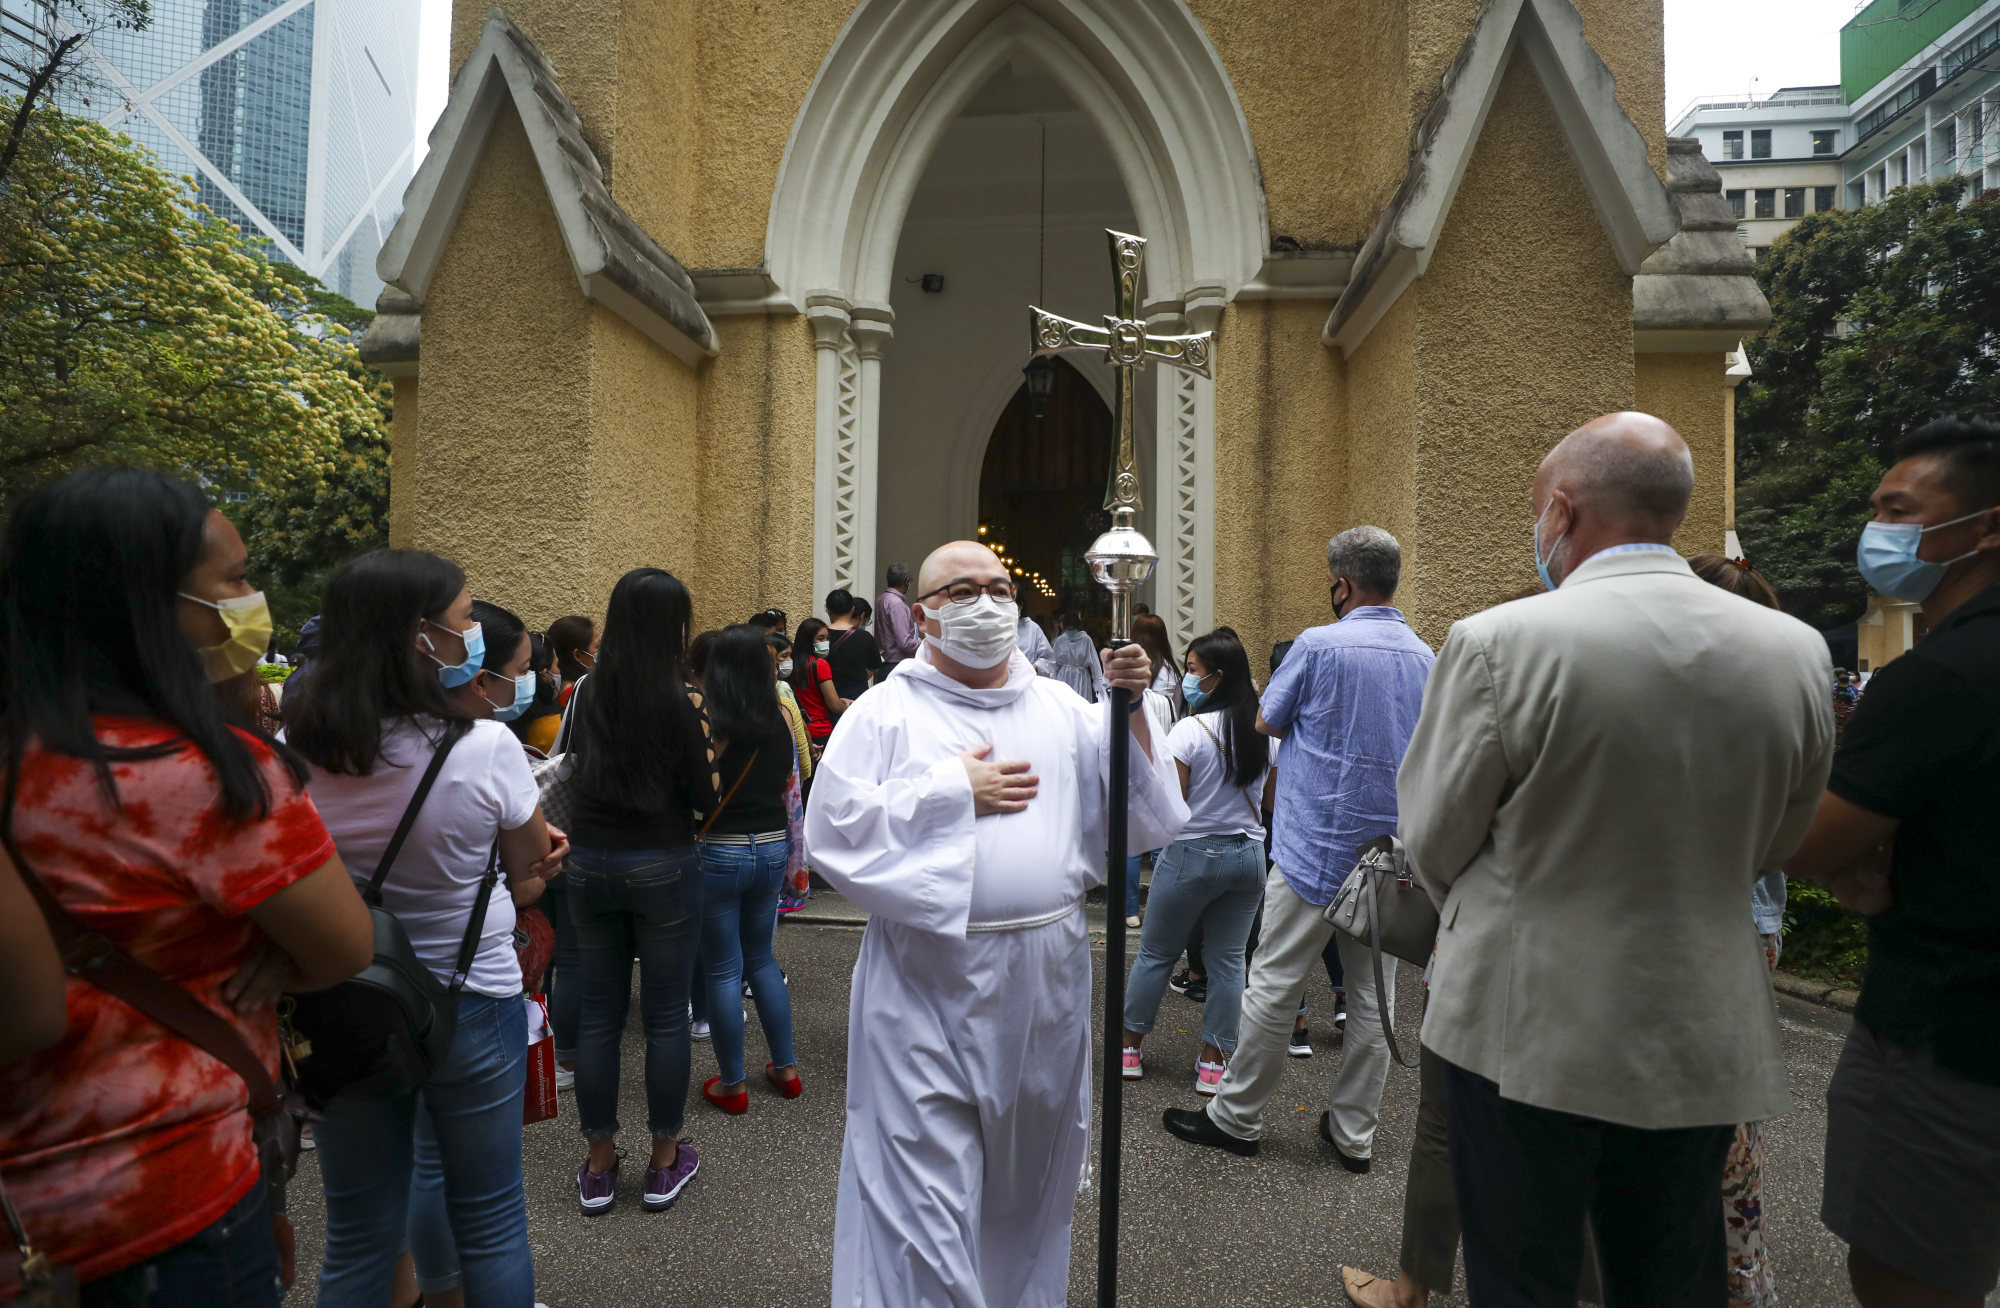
<point x="388" y="1029"/>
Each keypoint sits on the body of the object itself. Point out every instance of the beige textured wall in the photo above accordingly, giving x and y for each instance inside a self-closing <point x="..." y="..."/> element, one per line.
<point x="755" y="538"/>
<point x="1279" y="465"/>
<point x="1299" y="68"/>
<point x="557" y="451"/>
<point x="405" y="433"/>
<point x="507" y="396"/>
<point x="1687" y="391"/>
<point x="1523" y="331"/>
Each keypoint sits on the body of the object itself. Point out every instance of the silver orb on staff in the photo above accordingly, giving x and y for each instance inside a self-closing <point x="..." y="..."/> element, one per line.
<point x="1122" y="560"/>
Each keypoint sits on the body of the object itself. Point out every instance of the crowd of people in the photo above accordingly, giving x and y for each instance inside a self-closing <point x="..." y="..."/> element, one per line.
<point x="1601" y="788"/>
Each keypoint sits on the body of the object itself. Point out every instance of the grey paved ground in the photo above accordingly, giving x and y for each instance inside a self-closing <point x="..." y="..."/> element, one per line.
<point x="756" y="1227"/>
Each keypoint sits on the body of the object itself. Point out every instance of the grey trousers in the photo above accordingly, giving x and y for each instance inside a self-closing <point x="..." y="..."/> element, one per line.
<point x="1430" y="1205"/>
<point x="1294" y="934"/>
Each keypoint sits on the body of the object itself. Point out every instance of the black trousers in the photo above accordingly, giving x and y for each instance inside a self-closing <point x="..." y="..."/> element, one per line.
<point x="1528" y="1177"/>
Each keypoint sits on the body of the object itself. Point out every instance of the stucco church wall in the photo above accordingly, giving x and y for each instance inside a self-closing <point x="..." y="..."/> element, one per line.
<point x="1280" y="460"/>
<point x="1381" y="467"/>
<point x="507" y="396"/>
<point x="405" y="435"/>
<point x="754" y="539"/>
<point x="640" y="463"/>
<point x="1297" y="66"/>
<point x="1686" y="390"/>
<point x="1524" y="331"/>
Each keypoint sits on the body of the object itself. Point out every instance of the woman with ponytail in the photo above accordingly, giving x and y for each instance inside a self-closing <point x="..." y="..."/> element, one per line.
<point x="1213" y="874"/>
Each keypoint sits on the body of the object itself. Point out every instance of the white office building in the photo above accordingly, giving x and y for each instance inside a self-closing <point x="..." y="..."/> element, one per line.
<point x="296" y="118"/>
<point x="1918" y="100"/>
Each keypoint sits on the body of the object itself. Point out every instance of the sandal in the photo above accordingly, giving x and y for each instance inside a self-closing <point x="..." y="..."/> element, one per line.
<point x="791" y="1089"/>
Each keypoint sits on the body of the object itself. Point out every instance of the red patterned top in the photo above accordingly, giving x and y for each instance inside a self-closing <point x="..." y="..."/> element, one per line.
<point x="123" y="1140"/>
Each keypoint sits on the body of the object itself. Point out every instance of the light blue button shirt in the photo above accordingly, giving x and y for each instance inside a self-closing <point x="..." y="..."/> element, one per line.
<point x="1346" y="698"/>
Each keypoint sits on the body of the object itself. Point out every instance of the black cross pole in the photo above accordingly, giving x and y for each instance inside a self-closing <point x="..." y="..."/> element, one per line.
<point x="1122" y="560"/>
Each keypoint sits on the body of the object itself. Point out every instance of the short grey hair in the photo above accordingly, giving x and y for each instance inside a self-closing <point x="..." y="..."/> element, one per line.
<point x="1368" y="557"/>
<point x="899" y="575"/>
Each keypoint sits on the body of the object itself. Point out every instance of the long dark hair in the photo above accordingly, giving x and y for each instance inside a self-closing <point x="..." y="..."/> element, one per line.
<point x="635" y="707"/>
<point x="503" y="632"/>
<point x="88" y="626"/>
<point x="1245" y="750"/>
<point x="567" y="637"/>
<point x="1149" y="631"/>
<point x="369" y="668"/>
<point x="803" y="657"/>
<point x="741" y="689"/>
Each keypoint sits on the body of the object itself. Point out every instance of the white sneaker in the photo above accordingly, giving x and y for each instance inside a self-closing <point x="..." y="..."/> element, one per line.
<point x="565" y="1077"/>
<point x="699" y="1030"/>
<point x="306" y="1140"/>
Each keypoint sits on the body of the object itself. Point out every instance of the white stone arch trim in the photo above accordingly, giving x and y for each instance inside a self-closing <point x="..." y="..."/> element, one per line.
<point x="1630" y="200"/>
<point x="901" y="70"/>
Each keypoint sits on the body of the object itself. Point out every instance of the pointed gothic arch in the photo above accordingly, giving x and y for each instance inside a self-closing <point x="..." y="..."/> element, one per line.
<point x="899" y="73"/>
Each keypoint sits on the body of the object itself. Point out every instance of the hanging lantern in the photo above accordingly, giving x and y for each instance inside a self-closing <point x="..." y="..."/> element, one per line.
<point x="1041" y="375"/>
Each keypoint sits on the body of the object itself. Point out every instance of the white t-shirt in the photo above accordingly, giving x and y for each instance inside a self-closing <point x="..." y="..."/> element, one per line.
<point x="1216" y="806"/>
<point x="484" y="789"/>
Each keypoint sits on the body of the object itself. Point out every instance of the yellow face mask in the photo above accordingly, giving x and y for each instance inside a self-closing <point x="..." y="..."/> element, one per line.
<point x="248" y="619"/>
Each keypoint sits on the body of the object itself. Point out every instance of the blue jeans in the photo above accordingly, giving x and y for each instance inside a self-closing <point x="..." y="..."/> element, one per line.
<point x="367" y="1159"/>
<point x="230" y="1263"/>
<point x="1216" y="881"/>
<point x="643" y="903"/>
<point x="1133" y="862"/>
<point x="566" y="990"/>
<point x="740" y="885"/>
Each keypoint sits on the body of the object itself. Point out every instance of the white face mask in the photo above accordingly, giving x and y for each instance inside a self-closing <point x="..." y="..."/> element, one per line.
<point x="785" y="668"/>
<point x="978" y="632"/>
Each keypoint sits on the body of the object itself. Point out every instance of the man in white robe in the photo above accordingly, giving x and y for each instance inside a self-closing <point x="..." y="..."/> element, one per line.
<point x="963" y="804"/>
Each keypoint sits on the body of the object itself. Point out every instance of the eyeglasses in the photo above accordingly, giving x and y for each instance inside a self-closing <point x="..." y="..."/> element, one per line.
<point x="965" y="588"/>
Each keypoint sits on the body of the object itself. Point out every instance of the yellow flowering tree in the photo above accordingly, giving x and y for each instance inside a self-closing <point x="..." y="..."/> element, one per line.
<point x="137" y="327"/>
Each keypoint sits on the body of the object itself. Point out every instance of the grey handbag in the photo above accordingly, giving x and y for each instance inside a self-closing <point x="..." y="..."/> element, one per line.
<point x="556" y="774"/>
<point x="1382" y="906"/>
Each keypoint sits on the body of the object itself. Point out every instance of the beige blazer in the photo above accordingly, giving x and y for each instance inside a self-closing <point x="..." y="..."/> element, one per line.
<point x="1597" y="777"/>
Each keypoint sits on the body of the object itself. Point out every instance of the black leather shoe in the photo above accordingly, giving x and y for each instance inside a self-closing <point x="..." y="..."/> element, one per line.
<point x="1194" y="1126"/>
<point x="1358" y="1166"/>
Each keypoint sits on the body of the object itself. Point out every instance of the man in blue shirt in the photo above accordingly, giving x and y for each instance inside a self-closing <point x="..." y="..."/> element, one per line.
<point x="1345" y="702"/>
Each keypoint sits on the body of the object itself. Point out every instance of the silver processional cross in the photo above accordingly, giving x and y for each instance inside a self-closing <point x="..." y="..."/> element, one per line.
<point x="1122" y="560"/>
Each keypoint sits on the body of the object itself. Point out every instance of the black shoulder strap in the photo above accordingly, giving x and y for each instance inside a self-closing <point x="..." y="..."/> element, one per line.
<point x="452" y="736"/>
<point x="468" y="948"/>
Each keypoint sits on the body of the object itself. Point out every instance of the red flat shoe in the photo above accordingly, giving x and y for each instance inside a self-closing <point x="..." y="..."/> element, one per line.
<point x="737" y="1103"/>
<point x="791" y="1089"/>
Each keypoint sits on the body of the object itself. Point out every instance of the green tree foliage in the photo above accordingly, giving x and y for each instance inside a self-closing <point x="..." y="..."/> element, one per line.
<point x="1883" y="317"/>
<point x="136" y="327"/>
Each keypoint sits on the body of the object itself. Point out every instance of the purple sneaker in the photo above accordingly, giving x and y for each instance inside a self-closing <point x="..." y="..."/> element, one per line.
<point x="595" y="1190"/>
<point x="664" y="1184"/>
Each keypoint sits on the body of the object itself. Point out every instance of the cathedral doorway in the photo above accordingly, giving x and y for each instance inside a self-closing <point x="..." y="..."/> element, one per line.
<point x="1041" y="494"/>
<point x="1010" y="210"/>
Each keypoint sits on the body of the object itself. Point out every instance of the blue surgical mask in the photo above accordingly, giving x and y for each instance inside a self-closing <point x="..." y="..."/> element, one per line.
<point x="524" y="695"/>
<point x="1887" y="557"/>
<point x="1192" y="692"/>
<point x="1542" y="560"/>
<point x="454" y="675"/>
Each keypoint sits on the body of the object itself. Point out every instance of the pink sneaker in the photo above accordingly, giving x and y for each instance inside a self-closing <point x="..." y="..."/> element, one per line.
<point x="1133" y="1070"/>
<point x="1208" y="1078"/>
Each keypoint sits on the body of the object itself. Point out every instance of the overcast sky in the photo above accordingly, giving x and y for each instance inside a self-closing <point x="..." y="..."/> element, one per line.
<point x="1714" y="47"/>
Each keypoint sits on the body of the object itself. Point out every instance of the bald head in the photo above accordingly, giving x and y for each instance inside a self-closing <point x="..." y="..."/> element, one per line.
<point x="960" y="558"/>
<point x="1629" y="472"/>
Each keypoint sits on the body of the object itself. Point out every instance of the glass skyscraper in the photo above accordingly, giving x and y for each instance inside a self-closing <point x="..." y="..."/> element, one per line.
<point x="296" y="118"/>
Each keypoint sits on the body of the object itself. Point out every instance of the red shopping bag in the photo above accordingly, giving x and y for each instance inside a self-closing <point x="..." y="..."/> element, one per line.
<point x="538" y="1104"/>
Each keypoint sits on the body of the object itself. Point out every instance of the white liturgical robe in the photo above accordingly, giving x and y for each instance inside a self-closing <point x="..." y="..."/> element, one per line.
<point x="968" y="1086"/>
